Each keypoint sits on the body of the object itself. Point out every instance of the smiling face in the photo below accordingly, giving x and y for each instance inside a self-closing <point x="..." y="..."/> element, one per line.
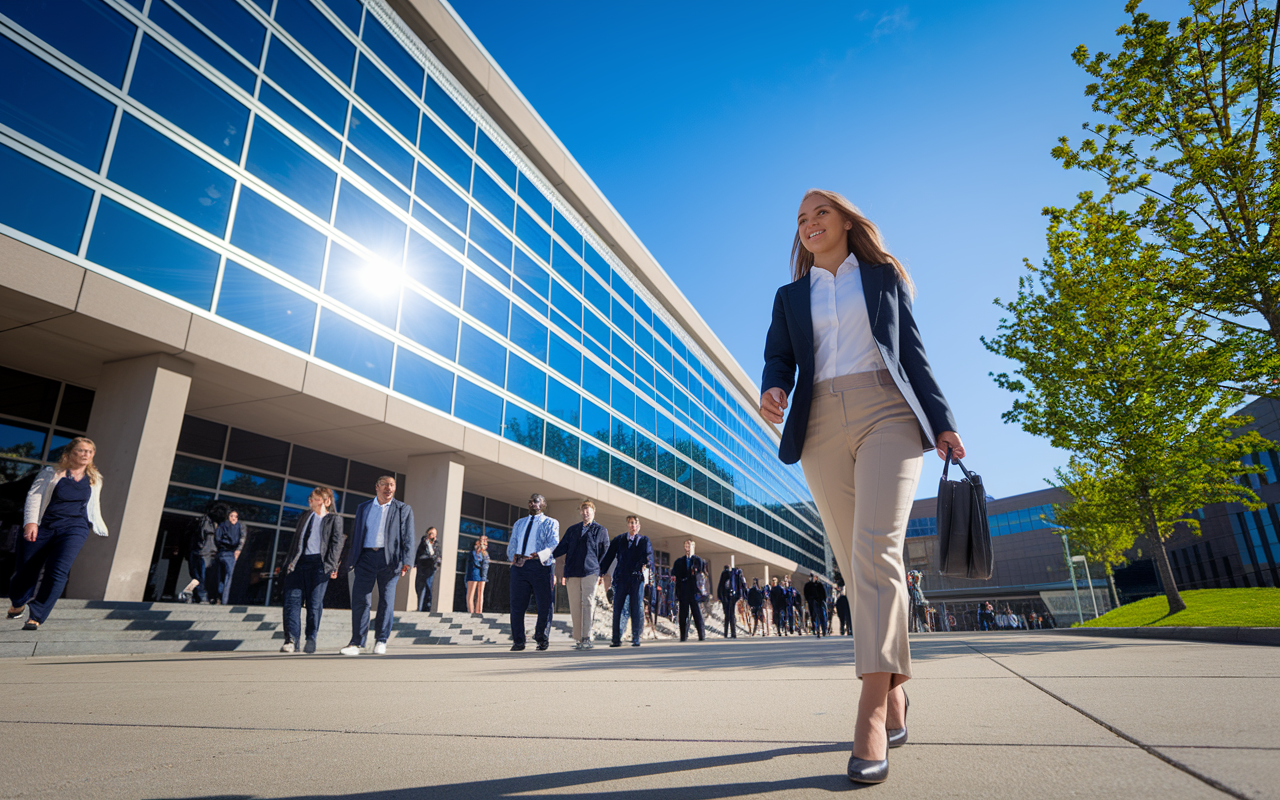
<point x="822" y="228"/>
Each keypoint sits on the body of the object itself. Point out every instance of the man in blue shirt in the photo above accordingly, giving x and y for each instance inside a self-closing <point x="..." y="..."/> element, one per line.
<point x="633" y="553"/>
<point x="381" y="551"/>
<point x="533" y="571"/>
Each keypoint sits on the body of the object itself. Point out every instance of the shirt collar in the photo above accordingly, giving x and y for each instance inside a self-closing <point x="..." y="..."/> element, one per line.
<point x="382" y="504"/>
<point x="846" y="266"/>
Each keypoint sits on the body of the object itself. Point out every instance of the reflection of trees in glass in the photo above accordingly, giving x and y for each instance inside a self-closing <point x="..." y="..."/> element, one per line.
<point x="525" y="429"/>
<point x="22" y="450"/>
<point x="562" y="446"/>
<point x="256" y="485"/>
<point x="12" y="470"/>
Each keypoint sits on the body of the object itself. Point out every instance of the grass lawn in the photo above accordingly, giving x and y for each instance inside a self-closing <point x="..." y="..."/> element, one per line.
<point x="1243" y="608"/>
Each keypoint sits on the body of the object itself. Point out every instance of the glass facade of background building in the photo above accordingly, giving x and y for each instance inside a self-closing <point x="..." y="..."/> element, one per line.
<point x="309" y="173"/>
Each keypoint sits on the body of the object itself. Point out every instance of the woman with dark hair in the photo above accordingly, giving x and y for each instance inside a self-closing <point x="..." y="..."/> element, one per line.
<point x="314" y="553"/>
<point x="62" y="508"/>
<point x="865" y="407"/>
<point x="477" y="574"/>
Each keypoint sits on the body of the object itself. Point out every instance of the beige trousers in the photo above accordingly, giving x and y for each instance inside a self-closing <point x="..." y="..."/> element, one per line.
<point x="861" y="458"/>
<point x="582" y="607"/>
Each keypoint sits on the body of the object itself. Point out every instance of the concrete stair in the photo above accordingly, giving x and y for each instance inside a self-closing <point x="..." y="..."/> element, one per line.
<point x="98" y="627"/>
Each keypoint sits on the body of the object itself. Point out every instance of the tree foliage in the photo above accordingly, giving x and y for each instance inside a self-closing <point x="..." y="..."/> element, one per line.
<point x="1192" y="134"/>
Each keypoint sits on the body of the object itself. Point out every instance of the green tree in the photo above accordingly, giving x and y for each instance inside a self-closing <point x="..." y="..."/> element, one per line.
<point x="1088" y="520"/>
<point x="1191" y="132"/>
<point x="1126" y="380"/>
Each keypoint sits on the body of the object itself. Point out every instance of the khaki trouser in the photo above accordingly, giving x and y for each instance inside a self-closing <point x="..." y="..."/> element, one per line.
<point x="582" y="605"/>
<point x="861" y="458"/>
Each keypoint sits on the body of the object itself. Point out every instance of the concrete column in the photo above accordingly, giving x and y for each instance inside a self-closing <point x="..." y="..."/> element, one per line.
<point x="433" y="486"/>
<point x="137" y="416"/>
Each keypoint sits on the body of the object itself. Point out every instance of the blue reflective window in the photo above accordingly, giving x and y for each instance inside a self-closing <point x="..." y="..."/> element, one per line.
<point x="370" y="224"/>
<point x="523" y="427"/>
<point x="482" y="355"/>
<point x="176" y="91"/>
<point x="496" y="159"/>
<point x="492" y="240"/>
<point x="646" y="451"/>
<point x="276" y="159"/>
<point x="423" y="380"/>
<point x="567" y="267"/>
<point x="666" y="429"/>
<point x="384" y="185"/>
<point x="646" y="416"/>
<point x="197" y="42"/>
<point x="231" y="23"/>
<point x="494" y="198"/>
<point x="594" y="461"/>
<point x="564" y="302"/>
<point x="41" y="202"/>
<point x="597" y="296"/>
<point x="387" y="99"/>
<point x="623" y="438"/>
<point x="622" y="475"/>
<point x="566" y="359"/>
<point x="438" y="227"/>
<point x="353" y="347"/>
<point x="429" y="265"/>
<point x="478" y="406"/>
<point x="429" y="325"/>
<point x="148" y="252"/>
<point x="595" y="380"/>
<point x="644" y="372"/>
<point x="298" y="494"/>
<point x="565" y="230"/>
<point x="443" y="105"/>
<point x="295" y="116"/>
<point x="622" y="352"/>
<point x="526" y="294"/>
<point x="486" y="303"/>
<point x="265" y="306"/>
<point x="647" y="486"/>
<point x="43" y="103"/>
<point x="526" y="381"/>
<point x="561" y="445"/>
<point x="595" y="325"/>
<point x="346" y="10"/>
<point x="528" y="333"/>
<point x="596" y="261"/>
<point x="297" y="78"/>
<point x="529" y="271"/>
<point x="88" y="31"/>
<point x="393" y="54"/>
<point x="306" y="24"/>
<point x="624" y="400"/>
<point x="355" y="282"/>
<point x="563" y="401"/>
<point x="534" y="198"/>
<point x="642" y="310"/>
<point x="533" y="235"/>
<point x="445" y="153"/>
<point x="623" y="319"/>
<point x="170" y="176"/>
<point x="445" y="201"/>
<point x="595" y="421"/>
<point x="643" y="340"/>
<point x="277" y="237"/>
<point x="375" y="143"/>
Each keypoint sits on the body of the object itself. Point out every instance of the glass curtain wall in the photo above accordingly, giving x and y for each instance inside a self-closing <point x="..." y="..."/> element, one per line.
<point x="306" y="172"/>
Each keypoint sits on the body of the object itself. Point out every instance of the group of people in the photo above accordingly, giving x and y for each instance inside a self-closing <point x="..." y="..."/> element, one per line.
<point x="215" y="542"/>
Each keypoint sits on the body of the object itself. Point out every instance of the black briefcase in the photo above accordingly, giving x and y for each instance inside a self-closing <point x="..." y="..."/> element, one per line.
<point x="964" y="536"/>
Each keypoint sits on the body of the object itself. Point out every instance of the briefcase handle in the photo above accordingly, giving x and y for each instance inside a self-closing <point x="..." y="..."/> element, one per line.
<point x="947" y="464"/>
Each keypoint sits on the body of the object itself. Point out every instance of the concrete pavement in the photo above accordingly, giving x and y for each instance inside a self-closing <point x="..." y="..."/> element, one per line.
<point x="1032" y="715"/>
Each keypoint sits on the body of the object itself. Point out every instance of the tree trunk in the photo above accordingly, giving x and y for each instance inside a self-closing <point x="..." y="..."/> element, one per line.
<point x="1176" y="603"/>
<point x="1111" y="581"/>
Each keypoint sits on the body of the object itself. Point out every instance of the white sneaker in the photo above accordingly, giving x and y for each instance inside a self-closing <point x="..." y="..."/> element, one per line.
<point x="310" y="646"/>
<point x="380" y="649"/>
<point x="350" y="650"/>
<point x="287" y="647"/>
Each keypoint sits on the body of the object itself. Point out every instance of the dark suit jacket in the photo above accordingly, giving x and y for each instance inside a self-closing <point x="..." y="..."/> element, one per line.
<point x="582" y="552"/>
<point x="427" y="564"/>
<point x="777" y="596"/>
<point x="789" y="346"/>
<point x="684" y="570"/>
<point x="632" y="558"/>
<point x="732" y="585"/>
<point x="331" y="539"/>
<point x="398" y="545"/>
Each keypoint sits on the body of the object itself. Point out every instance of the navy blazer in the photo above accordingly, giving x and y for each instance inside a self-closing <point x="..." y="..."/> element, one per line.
<point x="398" y="544"/>
<point x="789" y="345"/>
<point x="583" y="551"/>
<point x="632" y="558"/>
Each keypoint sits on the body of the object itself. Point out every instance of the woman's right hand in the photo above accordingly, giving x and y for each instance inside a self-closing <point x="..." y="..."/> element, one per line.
<point x="771" y="404"/>
<point x="30" y="531"/>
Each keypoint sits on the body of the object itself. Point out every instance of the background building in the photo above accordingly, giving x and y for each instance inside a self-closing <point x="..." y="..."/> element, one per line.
<point x="254" y="246"/>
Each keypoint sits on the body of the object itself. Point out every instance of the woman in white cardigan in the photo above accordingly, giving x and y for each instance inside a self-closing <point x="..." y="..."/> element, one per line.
<point x="62" y="508"/>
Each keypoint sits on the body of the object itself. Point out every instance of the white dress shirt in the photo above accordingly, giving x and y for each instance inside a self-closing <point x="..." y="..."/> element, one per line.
<point x="376" y="529"/>
<point x="842" y="340"/>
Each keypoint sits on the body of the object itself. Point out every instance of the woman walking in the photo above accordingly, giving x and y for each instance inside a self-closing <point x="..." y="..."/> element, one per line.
<point x="477" y="575"/>
<point x="865" y="407"/>
<point x="62" y="508"/>
<point x="314" y="553"/>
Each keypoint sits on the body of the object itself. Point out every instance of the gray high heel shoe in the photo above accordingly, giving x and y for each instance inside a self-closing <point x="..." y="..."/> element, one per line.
<point x="862" y="770"/>
<point x="898" y="736"/>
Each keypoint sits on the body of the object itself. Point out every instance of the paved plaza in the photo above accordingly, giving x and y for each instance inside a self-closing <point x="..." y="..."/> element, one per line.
<point x="1033" y="715"/>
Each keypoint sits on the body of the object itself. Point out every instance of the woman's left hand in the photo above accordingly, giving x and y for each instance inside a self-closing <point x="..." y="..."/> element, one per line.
<point x="950" y="439"/>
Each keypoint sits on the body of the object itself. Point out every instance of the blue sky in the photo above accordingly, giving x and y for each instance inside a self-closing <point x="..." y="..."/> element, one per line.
<point x="704" y="123"/>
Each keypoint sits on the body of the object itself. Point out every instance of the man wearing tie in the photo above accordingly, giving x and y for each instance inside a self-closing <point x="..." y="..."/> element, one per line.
<point x="533" y="571"/>
<point x="729" y="592"/>
<point x="633" y="553"/>
<point x="381" y="551"/>
<point x="778" y="600"/>
<point x="686" y="571"/>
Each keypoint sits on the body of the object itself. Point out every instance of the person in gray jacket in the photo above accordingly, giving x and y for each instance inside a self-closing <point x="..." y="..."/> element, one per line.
<point x="381" y="550"/>
<point x="314" y="553"/>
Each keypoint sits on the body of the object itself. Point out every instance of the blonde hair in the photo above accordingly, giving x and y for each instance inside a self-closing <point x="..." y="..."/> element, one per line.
<point x="864" y="240"/>
<point x="325" y="494"/>
<point x="587" y="504"/>
<point x="64" y="461"/>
